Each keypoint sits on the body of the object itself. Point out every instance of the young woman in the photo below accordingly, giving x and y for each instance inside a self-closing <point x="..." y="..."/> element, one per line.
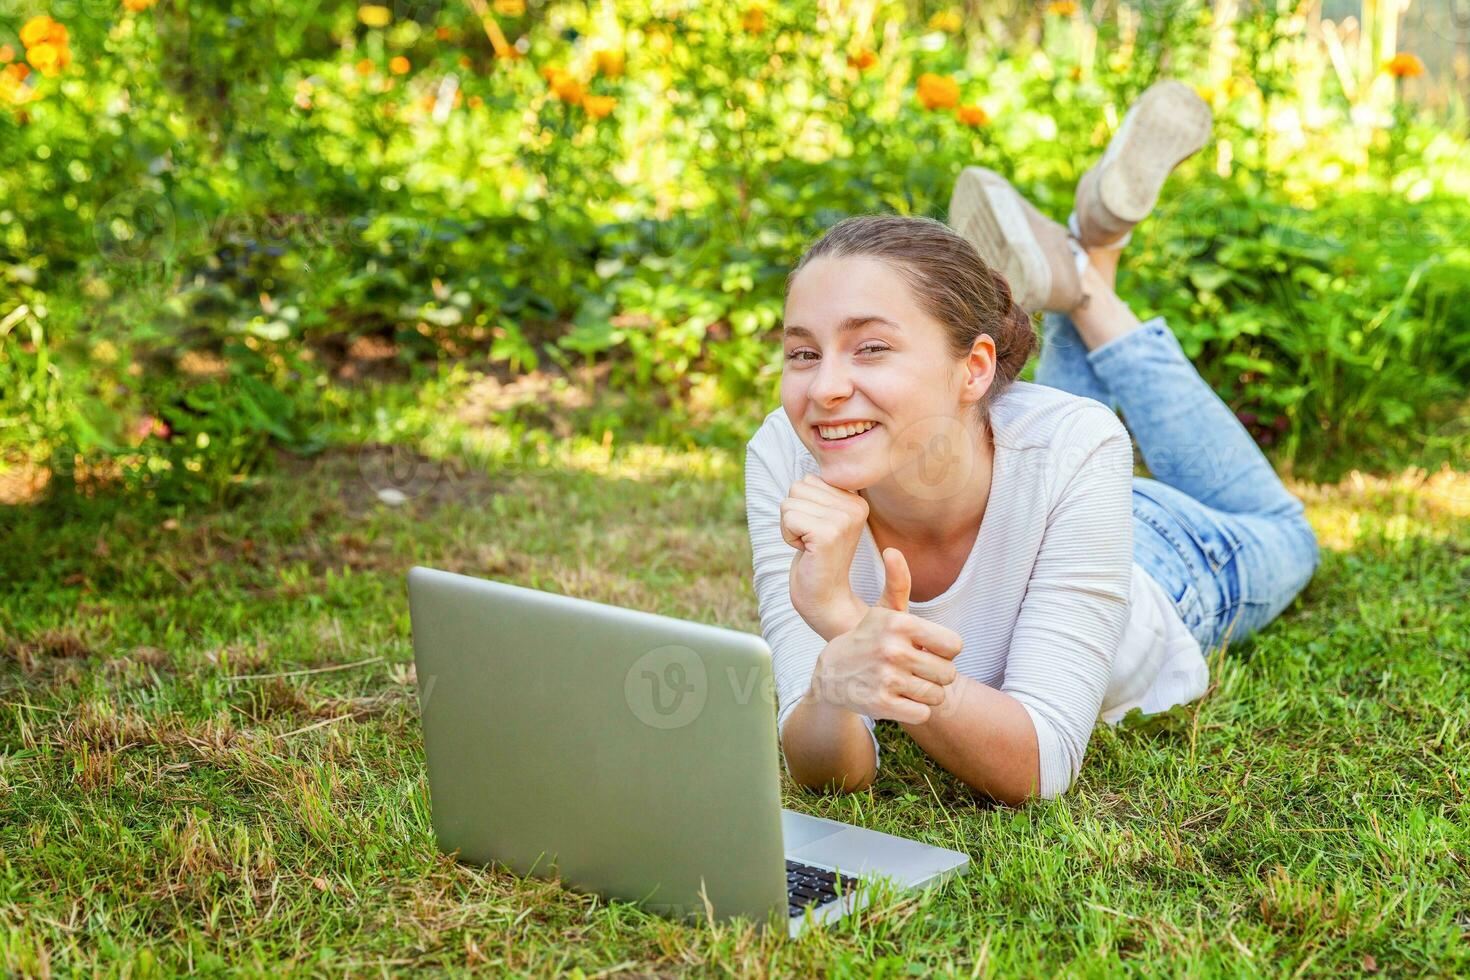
<point x="941" y="545"/>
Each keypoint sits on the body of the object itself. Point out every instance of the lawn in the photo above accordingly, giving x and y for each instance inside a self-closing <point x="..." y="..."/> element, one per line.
<point x="210" y="755"/>
<point x="262" y="278"/>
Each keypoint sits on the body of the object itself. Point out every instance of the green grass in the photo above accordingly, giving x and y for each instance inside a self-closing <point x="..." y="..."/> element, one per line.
<point x="210" y="757"/>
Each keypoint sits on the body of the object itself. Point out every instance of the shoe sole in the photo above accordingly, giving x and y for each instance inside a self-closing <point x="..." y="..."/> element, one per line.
<point x="986" y="211"/>
<point x="1168" y="124"/>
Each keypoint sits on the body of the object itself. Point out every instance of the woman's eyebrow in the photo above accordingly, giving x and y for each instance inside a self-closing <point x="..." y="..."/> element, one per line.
<point x="850" y="324"/>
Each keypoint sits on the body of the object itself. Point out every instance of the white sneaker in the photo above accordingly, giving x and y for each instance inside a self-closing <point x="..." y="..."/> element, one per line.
<point x="1042" y="264"/>
<point x="1168" y="124"/>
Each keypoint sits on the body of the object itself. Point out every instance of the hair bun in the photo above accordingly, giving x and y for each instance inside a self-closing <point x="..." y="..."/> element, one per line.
<point x="1015" y="344"/>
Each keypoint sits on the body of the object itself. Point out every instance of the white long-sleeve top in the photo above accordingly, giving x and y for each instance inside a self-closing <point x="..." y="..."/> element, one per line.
<point x="1050" y="605"/>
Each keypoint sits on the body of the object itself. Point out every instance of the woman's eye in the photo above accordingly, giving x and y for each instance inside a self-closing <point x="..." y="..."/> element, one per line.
<point x="870" y="348"/>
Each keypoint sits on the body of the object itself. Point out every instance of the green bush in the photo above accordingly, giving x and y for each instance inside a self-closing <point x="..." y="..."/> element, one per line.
<point x="257" y="193"/>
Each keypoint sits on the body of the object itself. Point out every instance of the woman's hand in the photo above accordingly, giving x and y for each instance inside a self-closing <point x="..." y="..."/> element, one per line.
<point x="825" y="524"/>
<point x="893" y="664"/>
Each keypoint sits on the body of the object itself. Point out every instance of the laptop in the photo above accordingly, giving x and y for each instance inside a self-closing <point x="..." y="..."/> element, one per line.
<point x="629" y="754"/>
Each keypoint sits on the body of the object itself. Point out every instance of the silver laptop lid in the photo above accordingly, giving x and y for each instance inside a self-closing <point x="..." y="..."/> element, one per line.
<point x="631" y="753"/>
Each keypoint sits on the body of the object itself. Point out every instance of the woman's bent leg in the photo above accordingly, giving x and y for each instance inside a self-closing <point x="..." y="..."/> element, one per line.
<point x="1227" y="574"/>
<point x="1217" y="528"/>
<point x="1063" y="362"/>
<point x="1189" y="438"/>
<point x="1233" y="547"/>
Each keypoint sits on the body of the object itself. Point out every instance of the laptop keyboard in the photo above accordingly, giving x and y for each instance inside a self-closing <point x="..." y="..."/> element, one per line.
<point x="808" y="886"/>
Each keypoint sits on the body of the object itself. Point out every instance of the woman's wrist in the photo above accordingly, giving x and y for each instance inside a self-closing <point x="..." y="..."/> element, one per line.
<point x="839" y="617"/>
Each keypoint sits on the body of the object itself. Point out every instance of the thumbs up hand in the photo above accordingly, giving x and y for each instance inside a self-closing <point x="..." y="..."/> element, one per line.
<point x="896" y="581"/>
<point x="893" y="664"/>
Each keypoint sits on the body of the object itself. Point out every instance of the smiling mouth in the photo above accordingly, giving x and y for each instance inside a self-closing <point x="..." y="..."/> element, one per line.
<point x="846" y="434"/>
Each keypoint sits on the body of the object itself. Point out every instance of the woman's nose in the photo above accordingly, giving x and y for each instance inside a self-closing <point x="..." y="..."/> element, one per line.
<point x="831" y="380"/>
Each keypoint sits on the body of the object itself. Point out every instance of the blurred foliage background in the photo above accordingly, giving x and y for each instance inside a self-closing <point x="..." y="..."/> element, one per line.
<point x="227" y="228"/>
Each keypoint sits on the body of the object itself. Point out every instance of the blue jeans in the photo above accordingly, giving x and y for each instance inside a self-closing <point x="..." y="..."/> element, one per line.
<point x="1215" y="527"/>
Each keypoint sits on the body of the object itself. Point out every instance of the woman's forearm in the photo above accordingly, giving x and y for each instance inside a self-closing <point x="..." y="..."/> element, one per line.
<point x="986" y="738"/>
<point x="837" y="618"/>
<point x="828" y="748"/>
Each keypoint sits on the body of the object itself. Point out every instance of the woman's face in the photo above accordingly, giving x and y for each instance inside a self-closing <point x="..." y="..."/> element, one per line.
<point x="859" y="348"/>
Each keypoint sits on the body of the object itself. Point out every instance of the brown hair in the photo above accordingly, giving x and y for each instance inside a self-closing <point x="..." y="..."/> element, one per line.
<point x="949" y="278"/>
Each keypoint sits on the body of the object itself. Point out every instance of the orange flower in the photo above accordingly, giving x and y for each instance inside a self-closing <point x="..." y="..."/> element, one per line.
<point x="863" y="60"/>
<point x="510" y="8"/>
<point x="563" y="86"/>
<point x="365" y="66"/>
<point x="1405" y="65"/>
<point x="754" y="20"/>
<point x="12" y="85"/>
<point x="137" y="6"/>
<point x="609" y="63"/>
<point x="972" y="115"/>
<point x="938" y="91"/>
<point x="7" y="54"/>
<point x="598" y="106"/>
<point x="568" y="89"/>
<point x="38" y="30"/>
<point x="476" y="102"/>
<point x="1062" y="8"/>
<point x="399" y="65"/>
<point x="948" y="21"/>
<point x="48" y="59"/>
<point x="443" y="33"/>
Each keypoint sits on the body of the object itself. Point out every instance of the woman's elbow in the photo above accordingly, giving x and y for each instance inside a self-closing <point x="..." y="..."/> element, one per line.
<point x="1006" y="795"/>
<point x="850" y="783"/>
<point x="830" y="753"/>
<point x="829" y="781"/>
<point x="826" y="768"/>
<point x="1015" y="788"/>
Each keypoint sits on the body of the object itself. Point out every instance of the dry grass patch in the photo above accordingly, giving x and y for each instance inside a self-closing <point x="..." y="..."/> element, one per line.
<point x="199" y="858"/>
<point x="48" y="645"/>
<point x="1412" y="503"/>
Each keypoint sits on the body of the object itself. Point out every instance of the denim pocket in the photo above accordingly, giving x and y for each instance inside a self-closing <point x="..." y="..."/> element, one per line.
<point x="1211" y="538"/>
<point x="1171" y="560"/>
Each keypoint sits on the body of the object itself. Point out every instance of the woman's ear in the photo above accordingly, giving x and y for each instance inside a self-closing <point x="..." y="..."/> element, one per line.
<point x="979" y="369"/>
